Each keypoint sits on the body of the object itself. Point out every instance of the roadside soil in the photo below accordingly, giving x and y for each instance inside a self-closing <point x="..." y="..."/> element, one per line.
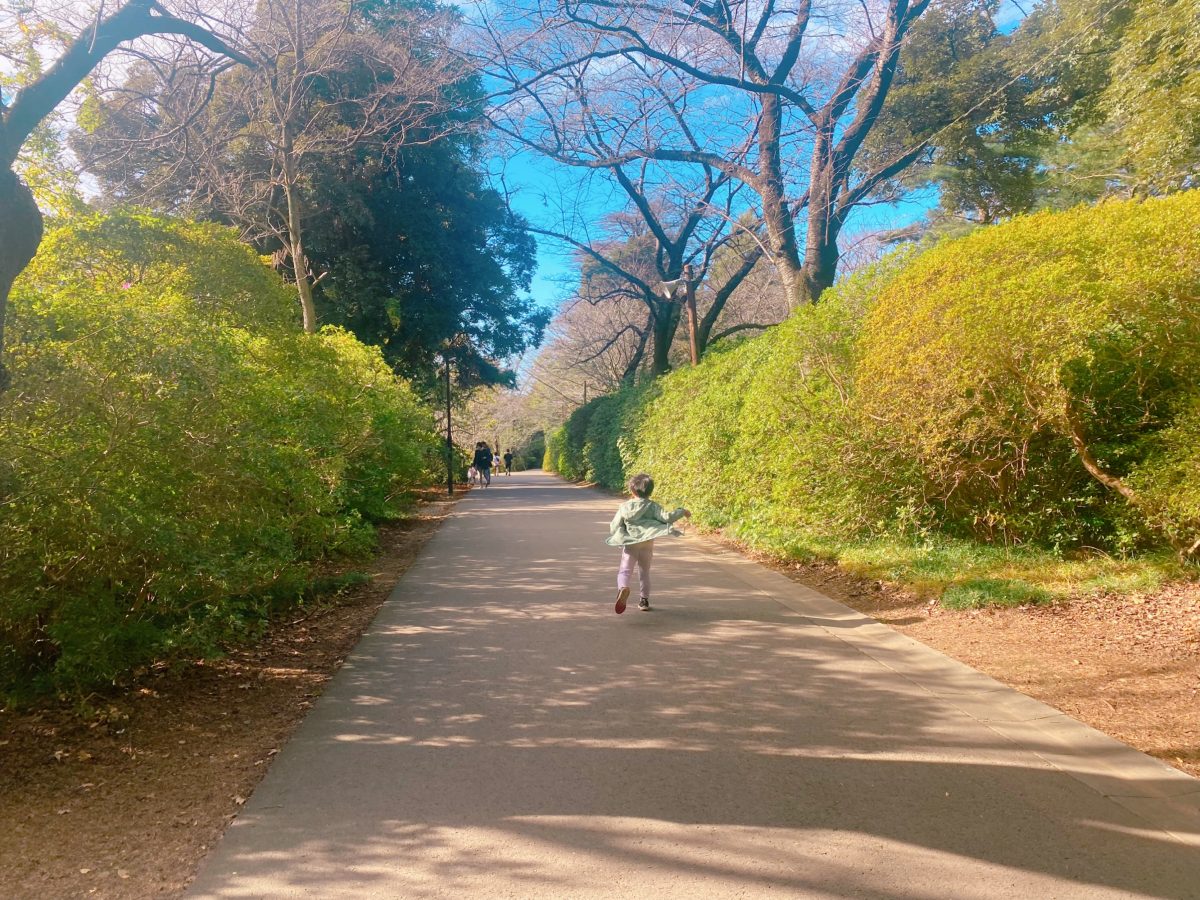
<point x="1128" y="665"/>
<point x="125" y="801"/>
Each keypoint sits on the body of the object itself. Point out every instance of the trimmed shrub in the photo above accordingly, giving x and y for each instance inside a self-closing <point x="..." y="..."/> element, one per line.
<point x="611" y="433"/>
<point x="595" y="441"/>
<point x="1033" y="383"/>
<point x="763" y="436"/>
<point x="1027" y="367"/>
<point x="554" y="448"/>
<point x="174" y="454"/>
<point x="602" y="442"/>
<point x="564" y="447"/>
<point x="1168" y="480"/>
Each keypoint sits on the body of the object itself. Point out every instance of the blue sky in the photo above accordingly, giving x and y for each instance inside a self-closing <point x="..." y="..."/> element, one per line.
<point x="533" y="183"/>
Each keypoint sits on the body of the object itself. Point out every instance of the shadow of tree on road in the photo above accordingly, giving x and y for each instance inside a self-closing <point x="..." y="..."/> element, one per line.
<point x="500" y="725"/>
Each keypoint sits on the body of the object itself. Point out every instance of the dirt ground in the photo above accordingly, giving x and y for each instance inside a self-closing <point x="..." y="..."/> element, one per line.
<point x="1128" y="665"/>
<point x="126" y="802"/>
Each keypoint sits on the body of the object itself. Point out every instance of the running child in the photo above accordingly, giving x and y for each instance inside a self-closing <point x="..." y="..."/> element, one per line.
<point x="634" y="528"/>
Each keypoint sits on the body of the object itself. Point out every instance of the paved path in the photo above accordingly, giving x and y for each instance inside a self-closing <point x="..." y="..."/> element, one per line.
<point x="499" y="732"/>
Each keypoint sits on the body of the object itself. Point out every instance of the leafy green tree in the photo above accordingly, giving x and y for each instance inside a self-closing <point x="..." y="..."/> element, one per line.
<point x="424" y="258"/>
<point x="38" y="94"/>
<point x="42" y="162"/>
<point x="985" y="132"/>
<point x="1102" y="100"/>
<point x="1064" y="48"/>
<point x="1153" y="93"/>
<point x="330" y="80"/>
<point x="347" y="154"/>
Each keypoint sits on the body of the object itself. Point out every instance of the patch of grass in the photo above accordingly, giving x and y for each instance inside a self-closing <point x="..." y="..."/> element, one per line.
<point x="978" y="593"/>
<point x="938" y="566"/>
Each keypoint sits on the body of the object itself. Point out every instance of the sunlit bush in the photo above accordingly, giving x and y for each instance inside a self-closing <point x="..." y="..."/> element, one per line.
<point x="1167" y="481"/>
<point x="174" y="454"/>
<point x="762" y="435"/>
<point x="1036" y="382"/>
<point x="1027" y="364"/>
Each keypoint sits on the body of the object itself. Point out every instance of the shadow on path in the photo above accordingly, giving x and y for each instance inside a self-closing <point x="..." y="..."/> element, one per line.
<point x="500" y="733"/>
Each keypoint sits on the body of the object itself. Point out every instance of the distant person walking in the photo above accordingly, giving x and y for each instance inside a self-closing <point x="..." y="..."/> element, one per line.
<point x="483" y="462"/>
<point x="638" y="522"/>
<point x="508" y="458"/>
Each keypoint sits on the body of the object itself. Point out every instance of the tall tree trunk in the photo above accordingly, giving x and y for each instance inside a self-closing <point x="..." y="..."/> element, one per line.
<point x="635" y="361"/>
<point x="20" y="235"/>
<point x="821" y="243"/>
<point x="304" y="285"/>
<point x="666" y="323"/>
<point x="777" y="214"/>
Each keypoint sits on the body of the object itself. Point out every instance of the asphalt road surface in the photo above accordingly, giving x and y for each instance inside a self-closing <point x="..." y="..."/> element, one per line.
<point x="500" y="732"/>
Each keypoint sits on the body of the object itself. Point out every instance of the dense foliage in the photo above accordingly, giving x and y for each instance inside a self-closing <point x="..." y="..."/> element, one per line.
<point x="1085" y="100"/>
<point x="423" y="253"/>
<point x="1008" y="364"/>
<point x="405" y="243"/>
<point x="176" y="454"/>
<point x="1153" y="97"/>
<point x="1033" y="383"/>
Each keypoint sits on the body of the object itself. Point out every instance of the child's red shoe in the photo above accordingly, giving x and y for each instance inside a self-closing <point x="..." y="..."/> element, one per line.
<point x="622" y="596"/>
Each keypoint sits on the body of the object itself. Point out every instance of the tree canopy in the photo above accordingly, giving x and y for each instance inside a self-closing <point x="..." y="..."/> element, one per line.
<point x="350" y="154"/>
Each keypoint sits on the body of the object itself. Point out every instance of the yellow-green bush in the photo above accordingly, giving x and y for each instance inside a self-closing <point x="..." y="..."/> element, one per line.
<point x="1000" y="362"/>
<point x="174" y="454"/>
<point x="762" y="436"/>
<point x="611" y="435"/>
<point x="1167" y="481"/>
<point x="949" y="394"/>
<point x="572" y="460"/>
<point x="553" y="452"/>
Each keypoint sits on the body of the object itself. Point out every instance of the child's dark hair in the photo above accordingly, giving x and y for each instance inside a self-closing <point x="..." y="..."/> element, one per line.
<point x="641" y="486"/>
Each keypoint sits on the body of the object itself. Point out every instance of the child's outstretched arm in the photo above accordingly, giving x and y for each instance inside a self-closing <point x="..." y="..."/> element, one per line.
<point x="670" y="518"/>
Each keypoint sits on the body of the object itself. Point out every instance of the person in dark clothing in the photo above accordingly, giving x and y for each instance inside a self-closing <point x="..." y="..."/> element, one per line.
<point x="508" y="458"/>
<point x="483" y="462"/>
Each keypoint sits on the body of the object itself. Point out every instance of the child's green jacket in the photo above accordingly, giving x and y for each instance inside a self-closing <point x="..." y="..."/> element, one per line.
<point x="640" y="520"/>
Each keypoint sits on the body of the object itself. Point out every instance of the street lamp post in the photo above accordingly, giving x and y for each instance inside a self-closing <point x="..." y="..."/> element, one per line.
<point x="449" y="437"/>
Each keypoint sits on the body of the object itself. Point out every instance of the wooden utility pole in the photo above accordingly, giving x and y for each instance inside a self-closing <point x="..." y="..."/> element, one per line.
<point x="690" y="287"/>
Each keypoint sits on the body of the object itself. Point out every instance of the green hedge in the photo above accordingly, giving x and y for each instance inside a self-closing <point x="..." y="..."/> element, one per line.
<point x="174" y="454"/>
<point x="1000" y="362"/>
<point x="953" y="392"/>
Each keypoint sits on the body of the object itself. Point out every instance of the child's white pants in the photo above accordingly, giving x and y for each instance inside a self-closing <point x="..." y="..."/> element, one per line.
<point x="639" y="555"/>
